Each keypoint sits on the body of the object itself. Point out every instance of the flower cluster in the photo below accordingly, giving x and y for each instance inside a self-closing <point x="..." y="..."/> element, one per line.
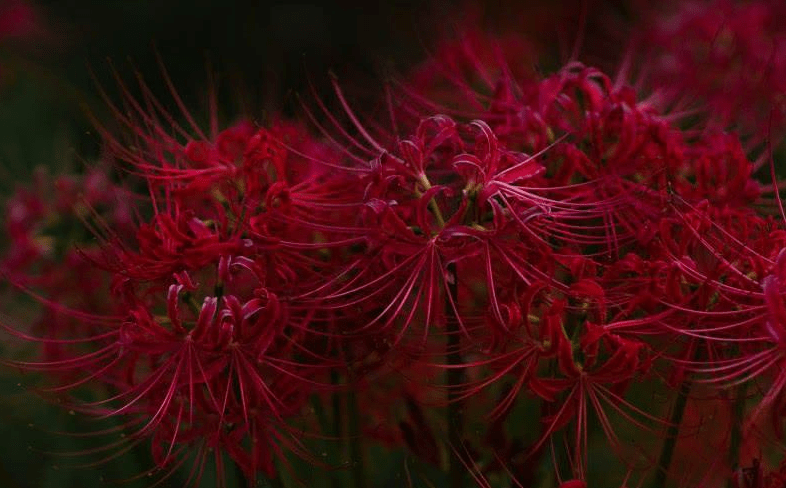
<point x="522" y="275"/>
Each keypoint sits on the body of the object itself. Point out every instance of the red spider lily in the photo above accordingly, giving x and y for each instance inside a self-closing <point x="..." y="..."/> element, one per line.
<point x="595" y="384"/>
<point x="443" y="198"/>
<point x="210" y="211"/>
<point x="203" y="370"/>
<point x="203" y="348"/>
<point x="622" y="148"/>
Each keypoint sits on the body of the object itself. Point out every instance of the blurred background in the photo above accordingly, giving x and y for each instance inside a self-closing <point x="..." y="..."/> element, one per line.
<point x="54" y="54"/>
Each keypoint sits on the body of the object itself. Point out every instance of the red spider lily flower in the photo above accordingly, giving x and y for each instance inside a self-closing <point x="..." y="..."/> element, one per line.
<point x="727" y="303"/>
<point x="624" y="149"/>
<point x="581" y="216"/>
<point x="445" y="197"/>
<point x="203" y="348"/>
<point x="218" y="372"/>
<point x="596" y="382"/>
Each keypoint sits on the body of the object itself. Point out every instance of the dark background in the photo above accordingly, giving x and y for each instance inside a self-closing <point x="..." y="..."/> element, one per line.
<point x="259" y="53"/>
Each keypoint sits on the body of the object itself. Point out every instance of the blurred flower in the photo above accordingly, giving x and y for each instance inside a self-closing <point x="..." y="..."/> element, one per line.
<point x="729" y="56"/>
<point x="18" y="19"/>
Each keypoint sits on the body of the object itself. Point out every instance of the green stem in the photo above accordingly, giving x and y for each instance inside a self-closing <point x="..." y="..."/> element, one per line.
<point x="667" y="451"/>
<point x="338" y="426"/>
<point x="735" y="438"/>
<point x="330" y="433"/>
<point x="432" y="204"/>
<point x="455" y="377"/>
<point x="240" y="476"/>
<point x="275" y="482"/>
<point x="355" y="440"/>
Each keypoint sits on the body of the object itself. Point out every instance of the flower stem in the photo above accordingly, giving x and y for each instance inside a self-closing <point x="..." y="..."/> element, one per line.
<point x="455" y="377"/>
<point x="667" y="451"/>
<point x="355" y="440"/>
<point x="240" y="476"/>
<point x="338" y="427"/>
<point x="275" y="482"/>
<point x="735" y="438"/>
<point x="432" y="204"/>
<point x="329" y="430"/>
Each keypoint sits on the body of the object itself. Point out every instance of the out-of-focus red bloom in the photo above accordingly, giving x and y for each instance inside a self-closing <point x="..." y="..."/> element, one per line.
<point x="18" y="19"/>
<point x="730" y="56"/>
<point x="573" y="484"/>
<point x="202" y="346"/>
